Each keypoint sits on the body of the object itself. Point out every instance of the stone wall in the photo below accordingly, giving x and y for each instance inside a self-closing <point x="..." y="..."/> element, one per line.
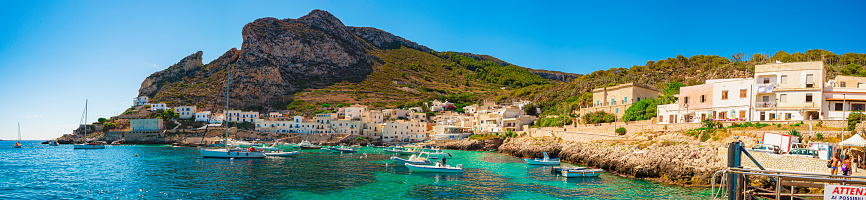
<point x="638" y="128"/>
<point x="784" y="162"/>
<point x="571" y="136"/>
<point x="649" y="121"/>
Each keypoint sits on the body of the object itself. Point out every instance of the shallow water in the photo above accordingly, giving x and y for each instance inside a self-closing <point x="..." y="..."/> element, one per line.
<point x="164" y="172"/>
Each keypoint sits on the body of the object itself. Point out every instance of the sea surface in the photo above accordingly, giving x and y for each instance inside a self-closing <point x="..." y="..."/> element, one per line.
<point x="163" y="172"/>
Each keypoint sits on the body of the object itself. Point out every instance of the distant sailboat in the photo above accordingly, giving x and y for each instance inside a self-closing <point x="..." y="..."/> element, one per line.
<point x="18" y="144"/>
<point x="227" y="153"/>
<point x="87" y="145"/>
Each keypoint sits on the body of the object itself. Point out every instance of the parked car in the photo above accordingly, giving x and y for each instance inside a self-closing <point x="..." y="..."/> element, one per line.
<point x="766" y="148"/>
<point x="810" y="153"/>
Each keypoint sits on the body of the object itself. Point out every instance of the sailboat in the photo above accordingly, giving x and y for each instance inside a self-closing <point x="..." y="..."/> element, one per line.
<point x="18" y="144"/>
<point x="229" y="153"/>
<point x="87" y="145"/>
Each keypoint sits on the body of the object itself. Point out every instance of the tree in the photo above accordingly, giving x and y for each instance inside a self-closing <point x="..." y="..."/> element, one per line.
<point x="101" y="120"/>
<point x="671" y="89"/>
<point x="642" y="110"/>
<point x="450" y="107"/>
<point x="598" y="117"/>
<point x="530" y="109"/>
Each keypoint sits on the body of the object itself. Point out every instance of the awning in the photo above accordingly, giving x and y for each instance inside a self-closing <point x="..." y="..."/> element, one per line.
<point x="837" y="99"/>
<point x="854" y="141"/>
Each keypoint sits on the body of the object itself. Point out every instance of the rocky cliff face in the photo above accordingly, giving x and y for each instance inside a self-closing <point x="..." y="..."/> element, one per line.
<point x="281" y="57"/>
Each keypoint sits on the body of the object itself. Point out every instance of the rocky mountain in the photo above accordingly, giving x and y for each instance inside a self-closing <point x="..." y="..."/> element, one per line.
<point x="317" y="59"/>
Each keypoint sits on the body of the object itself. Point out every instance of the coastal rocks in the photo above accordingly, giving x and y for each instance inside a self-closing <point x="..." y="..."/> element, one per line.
<point x="681" y="163"/>
<point x="470" y="144"/>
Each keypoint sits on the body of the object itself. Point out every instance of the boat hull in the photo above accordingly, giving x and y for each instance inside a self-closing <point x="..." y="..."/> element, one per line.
<point x="88" y="146"/>
<point x="541" y="162"/>
<point x="432" y="169"/>
<point x="222" y="153"/>
<point x="281" y="154"/>
<point x="582" y="173"/>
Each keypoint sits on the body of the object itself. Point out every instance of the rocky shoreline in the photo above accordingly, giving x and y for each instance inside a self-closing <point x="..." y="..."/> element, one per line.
<point x="686" y="163"/>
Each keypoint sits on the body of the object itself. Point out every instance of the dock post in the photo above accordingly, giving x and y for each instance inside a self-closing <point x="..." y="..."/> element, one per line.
<point x="733" y="161"/>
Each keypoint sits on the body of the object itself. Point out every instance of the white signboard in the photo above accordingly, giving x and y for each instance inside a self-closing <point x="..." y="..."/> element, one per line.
<point x="844" y="192"/>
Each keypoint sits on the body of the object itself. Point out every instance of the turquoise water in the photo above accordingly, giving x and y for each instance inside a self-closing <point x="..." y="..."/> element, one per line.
<point x="164" y="172"/>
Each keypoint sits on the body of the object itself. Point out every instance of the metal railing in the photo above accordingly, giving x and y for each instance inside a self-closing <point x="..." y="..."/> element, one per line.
<point x="781" y="179"/>
<point x="765" y="104"/>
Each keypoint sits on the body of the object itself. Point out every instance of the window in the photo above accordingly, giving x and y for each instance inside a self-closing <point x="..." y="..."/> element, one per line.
<point x="625" y="100"/>
<point x="766" y="80"/>
<point x="857" y="107"/>
<point x="612" y="101"/>
<point x="743" y="93"/>
<point x="725" y="95"/>
<point x="837" y="106"/>
<point x="784" y="79"/>
<point x="810" y="80"/>
<point x="638" y="99"/>
<point x="783" y="98"/>
<point x="809" y="98"/>
<point x="703" y="98"/>
<point x="686" y="100"/>
<point x="660" y="118"/>
<point x="787" y="116"/>
<point x="842" y="84"/>
<point x="765" y="98"/>
<point x="742" y="114"/>
<point x="617" y="110"/>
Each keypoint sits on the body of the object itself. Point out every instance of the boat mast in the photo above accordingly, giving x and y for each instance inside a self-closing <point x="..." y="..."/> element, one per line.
<point x="85" y="121"/>
<point x="226" y="114"/>
<point x="19" y="132"/>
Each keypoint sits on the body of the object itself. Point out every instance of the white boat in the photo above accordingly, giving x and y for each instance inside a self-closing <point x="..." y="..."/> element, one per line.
<point x="544" y="161"/>
<point x="292" y="153"/>
<point x="307" y="145"/>
<point x="435" y="168"/>
<point x="18" y="144"/>
<point x="86" y="145"/>
<point x="419" y="159"/>
<point x="230" y="153"/>
<point x="343" y="149"/>
<point x="582" y="172"/>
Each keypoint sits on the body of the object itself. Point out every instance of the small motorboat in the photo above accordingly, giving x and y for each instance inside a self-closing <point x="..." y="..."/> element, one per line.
<point x="435" y="168"/>
<point x="544" y="161"/>
<point x="230" y="153"/>
<point x="343" y="149"/>
<point x="280" y="154"/>
<point x="558" y="170"/>
<point x="419" y="159"/>
<point x="53" y="143"/>
<point x="307" y="145"/>
<point x="582" y="172"/>
<point x="325" y="148"/>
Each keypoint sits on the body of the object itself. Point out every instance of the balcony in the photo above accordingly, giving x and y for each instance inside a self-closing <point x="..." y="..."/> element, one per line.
<point x="765" y="88"/>
<point x="765" y="104"/>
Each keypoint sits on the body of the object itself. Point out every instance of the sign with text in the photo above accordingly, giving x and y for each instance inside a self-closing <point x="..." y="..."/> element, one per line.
<point x="844" y="192"/>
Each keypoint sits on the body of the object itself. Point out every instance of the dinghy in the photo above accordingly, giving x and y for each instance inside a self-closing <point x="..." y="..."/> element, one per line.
<point x="582" y="173"/>
<point x="544" y="161"/>
<point x="281" y="154"/>
<point x="435" y="168"/>
<point x="343" y="149"/>
<point x="419" y="159"/>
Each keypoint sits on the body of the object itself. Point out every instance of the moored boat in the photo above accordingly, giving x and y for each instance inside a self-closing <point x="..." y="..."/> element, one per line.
<point x="582" y="172"/>
<point x="279" y="154"/>
<point x="435" y="168"/>
<point x="343" y="149"/>
<point x="231" y="153"/>
<point x="86" y="145"/>
<point x="544" y="161"/>
<point x="53" y="143"/>
<point x="307" y="145"/>
<point x="419" y="159"/>
<point x="18" y="144"/>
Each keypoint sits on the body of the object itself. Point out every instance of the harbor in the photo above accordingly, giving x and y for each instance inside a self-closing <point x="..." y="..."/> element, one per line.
<point x="162" y="171"/>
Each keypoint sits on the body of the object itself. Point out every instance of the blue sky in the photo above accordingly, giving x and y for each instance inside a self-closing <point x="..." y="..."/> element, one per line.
<point x="56" y="54"/>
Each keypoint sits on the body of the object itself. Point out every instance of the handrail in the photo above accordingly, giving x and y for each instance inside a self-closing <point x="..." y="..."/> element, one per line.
<point x="810" y="177"/>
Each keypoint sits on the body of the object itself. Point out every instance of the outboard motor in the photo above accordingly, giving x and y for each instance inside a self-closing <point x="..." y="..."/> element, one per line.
<point x="460" y="166"/>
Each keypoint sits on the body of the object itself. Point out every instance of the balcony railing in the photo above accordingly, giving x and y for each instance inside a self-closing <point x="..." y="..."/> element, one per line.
<point x="765" y="104"/>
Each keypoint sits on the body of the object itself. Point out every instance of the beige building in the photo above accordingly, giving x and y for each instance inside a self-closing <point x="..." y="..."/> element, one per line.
<point x="185" y="112"/>
<point x="844" y="95"/>
<point x="789" y="91"/>
<point x="616" y="99"/>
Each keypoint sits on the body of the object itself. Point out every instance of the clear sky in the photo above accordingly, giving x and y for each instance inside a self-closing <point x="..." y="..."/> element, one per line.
<point x="56" y="54"/>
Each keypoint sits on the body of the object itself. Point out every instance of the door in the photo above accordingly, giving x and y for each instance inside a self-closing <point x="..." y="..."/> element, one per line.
<point x="763" y="116"/>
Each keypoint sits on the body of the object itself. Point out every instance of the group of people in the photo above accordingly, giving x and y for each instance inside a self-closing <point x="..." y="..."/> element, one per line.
<point x="838" y="163"/>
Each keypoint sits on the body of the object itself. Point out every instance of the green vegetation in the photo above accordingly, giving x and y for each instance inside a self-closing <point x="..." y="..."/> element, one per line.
<point x="598" y="117"/>
<point x="620" y="131"/>
<point x="853" y="119"/>
<point x="493" y="72"/>
<point x="530" y="109"/>
<point x="642" y="110"/>
<point x="553" y="121"/>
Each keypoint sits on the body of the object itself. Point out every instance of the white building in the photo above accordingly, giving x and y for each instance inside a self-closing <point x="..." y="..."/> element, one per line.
<point x="157" y="106"/>
<point x="789" y="91"/>
<point x="844" y="95"/>
<point x="217" y="118"/>
<point x="185" y="112"/>
<point x="440" y="106"/>
<point x="449" y="132"/>
<point x="139" y="101"/>
<point x="203" y="116"/>
<point x="238" y="116"/>
<point x="732" y="99"/>
<point x="373" y="116"/>
<point x="354" y="111"/>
